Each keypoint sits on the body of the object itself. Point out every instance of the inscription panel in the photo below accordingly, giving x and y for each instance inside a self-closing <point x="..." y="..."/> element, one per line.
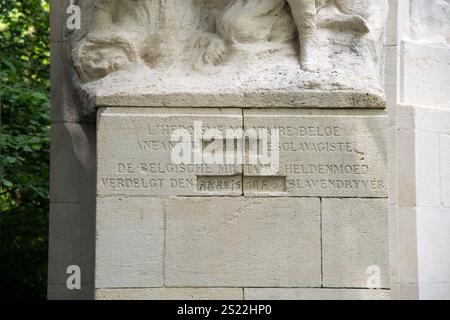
<point x="270" y="185"/>
<point x="324" y="154"/>
<point x="321" y="153"/>
<point x="135" y="152"/>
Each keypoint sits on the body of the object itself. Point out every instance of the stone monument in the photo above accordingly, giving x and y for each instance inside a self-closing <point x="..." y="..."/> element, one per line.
<point x="241" y="147"/>
<point x="423" y="117"/>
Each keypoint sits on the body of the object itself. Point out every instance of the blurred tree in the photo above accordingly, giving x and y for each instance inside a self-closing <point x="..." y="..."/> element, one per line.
<point x="25" y="145"/>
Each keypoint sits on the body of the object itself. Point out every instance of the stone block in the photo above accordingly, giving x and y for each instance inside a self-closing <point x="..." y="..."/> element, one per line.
<point x="60" y="292"/>
<point x="407" y="246"/>
<point x="71" y="241"/>
<point x="445" y="169"/>
<point x="355" y="244"/>
<point x="73" y="163"/>
<point x="130" y="242"/>
<point x="428" y="179"/>
<point x="424" y="73"/>
<point x="434" y="291"/>
<point x="405" y="291"/>
<point x="332" y="154"/>
<point x="135" y="152"/>
<point x="406" y="168"/>
<point x="433" y="245"/>
<point x="60" y="14"/>
<point x="315" y="294"/>
<point x="66" y="104"/>
<point x="170" y="294"/>
<point x="57" y="19"/>
<point x="392" y="25"/>
<point x="432" y="120"/>
<point x="242" y="242"/>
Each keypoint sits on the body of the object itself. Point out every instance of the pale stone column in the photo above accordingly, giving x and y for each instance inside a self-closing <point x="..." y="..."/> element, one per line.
<point x="72" y="189"/>
<point x="423" y="150"/>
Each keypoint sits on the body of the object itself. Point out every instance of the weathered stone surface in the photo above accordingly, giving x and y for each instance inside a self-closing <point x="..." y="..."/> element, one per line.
<point x="57" y="19"/>
<point x="424" y="70"/>
<point x="433" y="247"/>
<point x="315" y="294"/>
<point x="231" y="47"/>
<point x="405" y="292"/>
<point x="445" y="170"/>
<point x="407" y="246"/>
<point x="427" y="170"/>
<point x="71" y="242"/>
<point x="332" y="154"/>
<point x="63" y="108"/>
<point x="161" y="223"/>
<point x="262" y="98"/>
<point x="242" y="242"/>
<point x="73" y="163"/>
<point x="355" y="237"/>
<point x="321" y="154"/>
<point x="434" y="291"/>
<point x="130" y="241"/>
<point x="135" y="153"/>
<point x="170" y="294"/>
<point x="432" y="156"/>
<point x="406" y="158"/>
<point x="429" y="21"/>
<point x="67" y="103"/>
<point x="423" y="224"/>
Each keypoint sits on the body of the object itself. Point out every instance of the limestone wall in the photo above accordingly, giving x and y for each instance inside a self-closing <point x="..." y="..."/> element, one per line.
<point x="312" y="228"/>
<point x="424" y="158"/>
<point x="73" y="166"/>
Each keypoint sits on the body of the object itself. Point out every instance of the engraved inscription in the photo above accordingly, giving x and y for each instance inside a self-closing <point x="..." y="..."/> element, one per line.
<point x="319" y="155"/>
<point x="229" y="184"/>
<point x="135" y="153"/>
<point x="326" y="155"/>
<point x="264" y="184"/>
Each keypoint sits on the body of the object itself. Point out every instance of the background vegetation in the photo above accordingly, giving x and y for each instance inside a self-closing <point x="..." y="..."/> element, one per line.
<point x="25" y="146"/>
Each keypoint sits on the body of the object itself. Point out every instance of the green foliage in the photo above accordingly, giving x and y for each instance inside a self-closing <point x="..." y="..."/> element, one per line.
<point x="25" y="145"/>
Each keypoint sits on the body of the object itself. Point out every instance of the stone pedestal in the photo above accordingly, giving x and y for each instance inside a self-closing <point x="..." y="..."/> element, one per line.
<point x="241" y="147"/>
<point x="314" y="225"/>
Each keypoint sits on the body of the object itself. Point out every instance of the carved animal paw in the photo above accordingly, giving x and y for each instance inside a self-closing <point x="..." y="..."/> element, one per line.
<point x="216" y="52"/>
<point x="100" y="55"/>
<point x="312" y="60"/>
<point x="359" y="24"/>
<point x="213" y="50"/>
<point x="345" y="22"/>
<point x="151" y="52"/>
<point x="310" y="65"/>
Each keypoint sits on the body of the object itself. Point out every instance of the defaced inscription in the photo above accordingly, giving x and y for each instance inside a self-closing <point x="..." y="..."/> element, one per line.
<point x="270" y="155"/>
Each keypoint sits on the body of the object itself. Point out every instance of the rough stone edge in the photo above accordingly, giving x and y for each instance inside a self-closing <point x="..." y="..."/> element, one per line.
<point x="339" y="99"/>
<point x="315" y="294"/>
<point x="66" y="111"/>
<point x="173" y="293"/>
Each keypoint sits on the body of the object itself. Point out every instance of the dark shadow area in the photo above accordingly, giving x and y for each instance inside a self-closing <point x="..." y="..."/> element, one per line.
<point x="25" y="148"/>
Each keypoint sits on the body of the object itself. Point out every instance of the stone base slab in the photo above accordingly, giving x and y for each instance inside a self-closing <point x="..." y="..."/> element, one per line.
<point x="170" y="294"/>
<point x="315" y="294"/>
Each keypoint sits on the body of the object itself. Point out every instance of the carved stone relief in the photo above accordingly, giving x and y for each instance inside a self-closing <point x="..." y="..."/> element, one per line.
<point x="228" y="44"/>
